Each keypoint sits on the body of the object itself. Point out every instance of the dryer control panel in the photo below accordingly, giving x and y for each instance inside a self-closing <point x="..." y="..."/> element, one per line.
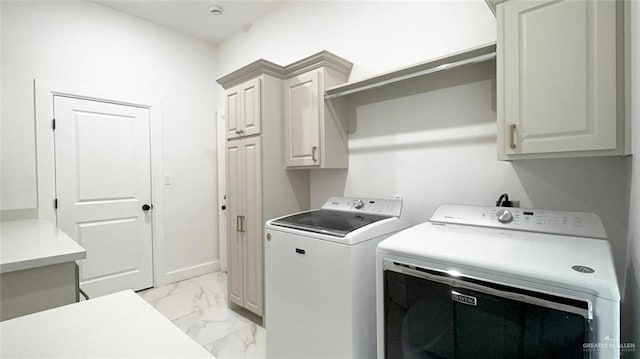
<point x="382" y="207"/>
<point x="583" y="224"/>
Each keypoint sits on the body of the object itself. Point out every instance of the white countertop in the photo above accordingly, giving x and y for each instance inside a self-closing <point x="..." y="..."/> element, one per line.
<point x="32" y="243"/>
<point x="120" y="325"/>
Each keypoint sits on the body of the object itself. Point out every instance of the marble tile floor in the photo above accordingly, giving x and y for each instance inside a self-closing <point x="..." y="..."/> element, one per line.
<point x="198" y="306"/>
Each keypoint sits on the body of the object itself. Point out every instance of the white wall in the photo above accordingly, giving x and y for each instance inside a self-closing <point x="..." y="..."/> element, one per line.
<point x="374" y="35"/>
<point x="437" y="146"/>
<point x="631" y="300"/>
<point x="85" y="44"/>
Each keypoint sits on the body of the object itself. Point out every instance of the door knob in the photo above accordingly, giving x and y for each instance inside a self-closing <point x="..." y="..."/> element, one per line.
<point x="146" y="207"/>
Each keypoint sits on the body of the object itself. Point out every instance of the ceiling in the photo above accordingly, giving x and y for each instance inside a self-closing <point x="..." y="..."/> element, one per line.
<point x="193" y="17"/>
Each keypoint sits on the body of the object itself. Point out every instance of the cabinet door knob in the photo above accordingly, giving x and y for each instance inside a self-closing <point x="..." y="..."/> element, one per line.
<point x="146" y="207"/>
<point x="512" y="136"/>
<point x="223" y="207"/>
<point x="314" y="149"/>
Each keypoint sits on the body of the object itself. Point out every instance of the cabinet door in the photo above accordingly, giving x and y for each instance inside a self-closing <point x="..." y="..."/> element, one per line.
<point x="234" y="113"/>
<point x="251" y="120"/>
<point x="557" y="70"/>
<point x="252" y="225"/>
<point x="234" y="211"/>
<point x="302" y="122"/>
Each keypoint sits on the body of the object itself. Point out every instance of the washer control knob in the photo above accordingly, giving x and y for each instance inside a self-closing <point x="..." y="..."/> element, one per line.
<point x="358" y="204"/>
<point x="504" y="216"/>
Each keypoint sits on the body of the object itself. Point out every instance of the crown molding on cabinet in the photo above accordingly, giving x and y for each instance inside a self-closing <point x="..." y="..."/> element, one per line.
<point x="250" y="71"/>
<point x="492" y="4"/>
<point x="321" y="59"/>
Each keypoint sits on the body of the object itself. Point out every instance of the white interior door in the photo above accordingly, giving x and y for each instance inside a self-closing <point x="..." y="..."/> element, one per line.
<point x="103" y="180"/>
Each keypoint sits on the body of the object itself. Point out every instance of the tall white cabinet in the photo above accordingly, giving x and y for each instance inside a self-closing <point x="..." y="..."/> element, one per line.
<point x="258" y="185"/>
<point x="560" y="79"/>
<point x="244" y="194"/>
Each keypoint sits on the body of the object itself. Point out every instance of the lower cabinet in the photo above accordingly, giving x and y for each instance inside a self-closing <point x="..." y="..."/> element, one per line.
<point x="33" y="290"/>
<point x="245" y="223"/>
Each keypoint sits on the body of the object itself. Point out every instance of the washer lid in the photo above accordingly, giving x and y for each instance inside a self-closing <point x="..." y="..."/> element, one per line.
<point x="330" y="222"/>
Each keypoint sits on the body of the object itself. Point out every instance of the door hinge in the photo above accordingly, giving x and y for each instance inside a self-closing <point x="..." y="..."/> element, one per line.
<point x="53" y="124"/>
<point x="55" y="203"/>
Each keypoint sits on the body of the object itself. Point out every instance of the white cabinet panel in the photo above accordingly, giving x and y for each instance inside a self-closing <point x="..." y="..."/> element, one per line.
<point x="251" y="118"/>
<point x="303" y="119"/>
<point x="234" y="211"/>
<point x="233" y="115"/>
<point x="252" y="224"/>
<point x="315" y="132"/>
<point x="557" y="78"/>
<point x="244" y="109"/>
<point x="245" y="222"/>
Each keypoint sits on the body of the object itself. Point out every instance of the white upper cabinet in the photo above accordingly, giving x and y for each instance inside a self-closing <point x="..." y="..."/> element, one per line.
<point x="243" y="109"/>
<point x="315" y="132"/>
<point x="560" y="79"/>
<point x="233" y="112"/>
<point x="302" y="107"/>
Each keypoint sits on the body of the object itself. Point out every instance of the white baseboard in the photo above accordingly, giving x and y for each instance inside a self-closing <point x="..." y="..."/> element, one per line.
<point x="188" y="272"/>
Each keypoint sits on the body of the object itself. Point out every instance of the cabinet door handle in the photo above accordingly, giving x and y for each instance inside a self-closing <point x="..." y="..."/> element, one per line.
<point x="512" y="136"/>
<point x="314" y="149"/>
<point x="239" y="223"/>
<point x="242" y="218"/>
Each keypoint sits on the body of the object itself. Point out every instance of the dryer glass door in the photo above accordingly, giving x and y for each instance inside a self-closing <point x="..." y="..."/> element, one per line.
<point x="431" y="318"/>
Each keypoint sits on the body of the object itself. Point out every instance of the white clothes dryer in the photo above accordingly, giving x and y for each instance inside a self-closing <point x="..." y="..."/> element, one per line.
<point x="480" y="282"/>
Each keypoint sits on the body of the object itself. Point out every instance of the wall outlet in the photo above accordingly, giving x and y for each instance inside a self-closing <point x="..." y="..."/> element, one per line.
<point x="397" y="197"/>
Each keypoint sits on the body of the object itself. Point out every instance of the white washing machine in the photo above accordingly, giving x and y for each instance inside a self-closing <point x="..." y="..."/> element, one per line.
<point x="479" y="282"/>
<point x="320" y="278"/>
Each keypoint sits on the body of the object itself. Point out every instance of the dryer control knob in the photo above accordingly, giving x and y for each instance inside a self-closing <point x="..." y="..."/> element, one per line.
<point x="504" y="216"/>
<point x="358" y="204"/>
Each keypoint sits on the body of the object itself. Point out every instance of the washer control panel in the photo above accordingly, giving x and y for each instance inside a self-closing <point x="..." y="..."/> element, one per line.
<point x="571" y="223"/>
<point x="383" y="207"/>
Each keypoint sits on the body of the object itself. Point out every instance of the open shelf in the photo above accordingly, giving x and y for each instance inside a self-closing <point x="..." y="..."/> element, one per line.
<point x="460" y="59"/>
